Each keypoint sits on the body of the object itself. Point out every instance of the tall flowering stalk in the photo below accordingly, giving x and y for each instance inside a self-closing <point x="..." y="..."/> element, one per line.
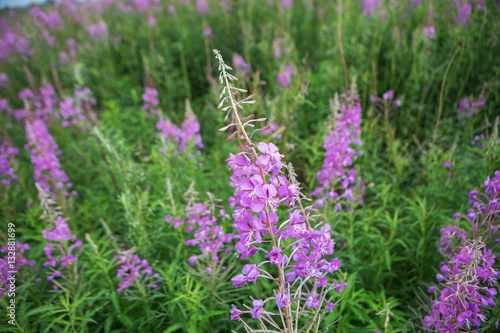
<point x="340" y="146"/>
<point x="468" y="277"/>
<point x="470" y="106"/>
<point x="208" y="237"/>
<point x="151" y="102"/>
<point x="296" y="249"/>
<point x="44" y="105"/>
<point x="135" y="271"/>
<point x="77" y="109"/>
<point x="179" y="137"/>
<point x="62" y="247"/>
<point x="17" y="263"/>
<point x="44" y="157"/>
<point x="7" y="160"/>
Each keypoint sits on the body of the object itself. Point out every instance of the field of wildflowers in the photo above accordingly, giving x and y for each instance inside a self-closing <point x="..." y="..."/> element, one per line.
<point x="250" y="166"/>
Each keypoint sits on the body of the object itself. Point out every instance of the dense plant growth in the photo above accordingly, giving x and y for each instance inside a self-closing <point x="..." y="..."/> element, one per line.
<point x="250" y="166"/>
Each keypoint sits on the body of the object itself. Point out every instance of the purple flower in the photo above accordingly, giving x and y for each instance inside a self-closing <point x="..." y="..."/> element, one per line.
<point x="281" y="300"/>
<point x="62" y="247"/>
<point x="470" y="106"/>
<point x="44" y="152"/>
<point x="469" y="268"/>
<point x="312" y="301"/>
<point x="389" y="94"/>
<point x="134" y="270"/>
<point x="20" y="265"/>
<point x="239" y="280"/>
<point x="330" y="306"/>
<point x="179" y="138"/>
<point x="208" y="237"/>
<point x="262" y="185"/>
<point x="257" y="309"/>
<point x="207" y="32"/>
<point x="429" y="32"/>
<point x="152" y="21"/>
<point x="202" y="7"/>
<point x="7" y="160"/>
<point x="464" y="13"/>
<point x="4" y="80"/>
<point x="235" y="313"/>
<point x="276" y="257"/>
<point x="251" y="272"/>
<point x="369" y="6"/>
<point x="337" y="174"/>
<point x="98" y="30"/>
<point x="285" y="77"/>
<point x="240" y="66"/>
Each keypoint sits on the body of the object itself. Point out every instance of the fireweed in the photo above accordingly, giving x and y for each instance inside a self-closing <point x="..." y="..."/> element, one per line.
<point x="151" y="102"/>
<point x="4" y="106"/>
<point x="240" y="66"/>
<point x="98" y="30"/>
<point x="468" y="276"/>
<point x="62" y="247"/>
<point x="44" y="157"/>
<point x="134" y="271"/>
<point x="179" y="137"/>
<point x="22" y="266"/>
<point x="429" y="32"/>
<point x="370" y="6"/>
<point x="208" y="237"/>
<point x="7" y="160"/>
<point x="340" y="146"/>
<point x="469" y="106"/>
<point x="387" y="103"/>
<point x="4" y="81"/>
<point x="448" y="165"/>
<point x="465" y="8"/>
<point x="75" y="110"/>
<point x="44" y="105"/>
<point x="298" y="246"/>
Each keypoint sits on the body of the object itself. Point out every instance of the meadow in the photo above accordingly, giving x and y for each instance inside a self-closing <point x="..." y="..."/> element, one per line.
<point x="250" y="166"/>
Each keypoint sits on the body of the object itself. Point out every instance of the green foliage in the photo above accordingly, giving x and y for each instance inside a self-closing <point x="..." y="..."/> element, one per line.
<point x="126" y="185"/>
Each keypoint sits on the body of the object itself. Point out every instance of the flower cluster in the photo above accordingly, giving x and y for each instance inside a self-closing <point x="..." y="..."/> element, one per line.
<point x="98" y="30"/>
<point x="279" y="47"/>
<point x="240" y="66"/>
<point x="296" y="251"/>
<point x="370" y="6"/>
<point x="429" y="32"/>
<point x="4" y="80"/>
<point x="468" y="277"/>
<point x="7" y="159"/>
<point x="344" y="129"/>
<point x="72" y="108"/>
<point x="44" y="152"/>
<point x="285" y="77"/>
<point x="4" y="106"/>
<point x="151" y="102"/>
<point x="134" y="270"/>
<point x="465" y="8"/>
<point x="62" y="248"/>
<point x="180" y="137"/>
<point x="7" y="265"/>
<point x="470" y="106"/>
<point x="44" y="104"/>
<point x="448" y="165"/>
<point x="386" y="102"/>
<point x="208" y="236"/>
<point x="11" y="44"/>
